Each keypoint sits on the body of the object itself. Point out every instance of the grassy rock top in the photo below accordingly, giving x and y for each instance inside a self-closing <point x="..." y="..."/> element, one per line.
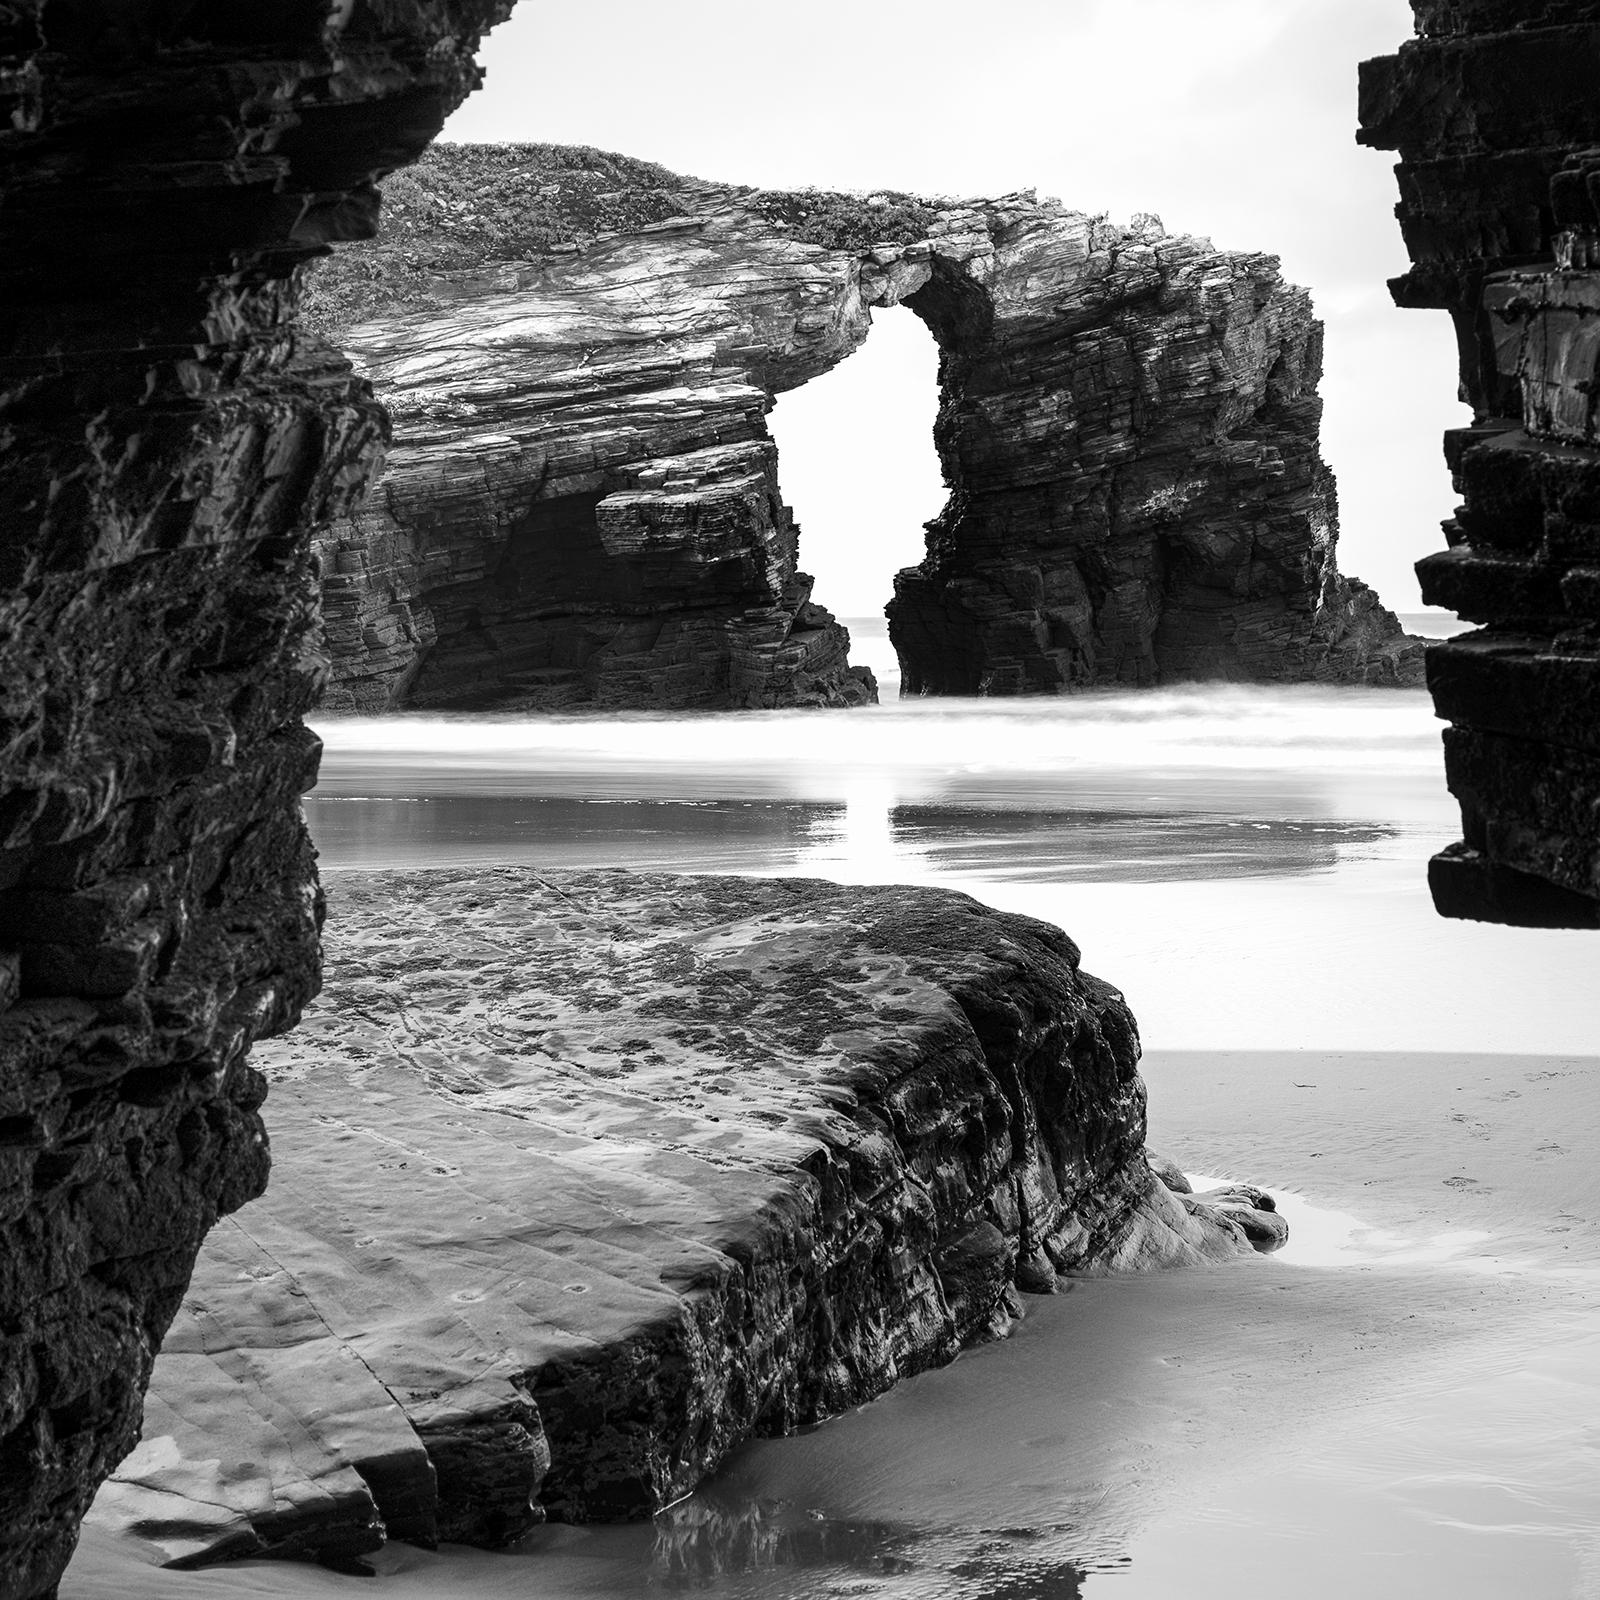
<point x="464" y="206"/>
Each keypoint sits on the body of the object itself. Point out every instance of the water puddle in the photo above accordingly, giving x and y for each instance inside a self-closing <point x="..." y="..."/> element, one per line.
<point x="1319" y="1236"/>
<point x="1327" y="1239"/>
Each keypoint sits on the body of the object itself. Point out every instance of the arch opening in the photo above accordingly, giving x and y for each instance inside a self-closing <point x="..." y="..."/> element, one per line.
<point x="859" y="469"/>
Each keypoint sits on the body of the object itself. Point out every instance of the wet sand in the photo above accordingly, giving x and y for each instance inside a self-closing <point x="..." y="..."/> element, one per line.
<point x="1404" y="1402"/>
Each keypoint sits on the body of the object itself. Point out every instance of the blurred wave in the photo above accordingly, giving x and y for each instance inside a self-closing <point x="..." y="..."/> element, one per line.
<point x="1201" y="740"/>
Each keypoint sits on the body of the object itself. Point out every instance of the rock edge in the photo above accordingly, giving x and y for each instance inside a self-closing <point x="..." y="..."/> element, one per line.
<point x="581" y="1179"/>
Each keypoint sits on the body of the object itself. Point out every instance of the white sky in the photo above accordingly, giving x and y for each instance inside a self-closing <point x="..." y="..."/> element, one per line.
<point x="1233" y="119"/>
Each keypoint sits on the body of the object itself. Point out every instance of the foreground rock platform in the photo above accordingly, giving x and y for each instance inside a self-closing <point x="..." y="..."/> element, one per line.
<point x="581" y="1179"/>
<point x="582" y="501"/>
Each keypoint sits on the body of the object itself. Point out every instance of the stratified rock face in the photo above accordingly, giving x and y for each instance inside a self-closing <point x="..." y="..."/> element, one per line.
<point x="582" y="504"/>
<point x="1130" y="426"/>
<point x="1495" y="116"/>
<point x="167" y="441"/>
<point x="584" y="1178"/>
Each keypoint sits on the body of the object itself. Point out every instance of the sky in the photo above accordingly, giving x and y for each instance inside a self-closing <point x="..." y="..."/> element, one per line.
<point x="1231" y="119"/>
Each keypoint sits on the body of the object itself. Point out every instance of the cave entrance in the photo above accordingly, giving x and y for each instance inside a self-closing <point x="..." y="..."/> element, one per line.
<point x="857" y="465"/>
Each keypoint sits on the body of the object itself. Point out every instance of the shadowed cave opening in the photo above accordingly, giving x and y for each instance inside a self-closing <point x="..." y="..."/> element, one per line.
<point x="489" y="648"/>
<point x="858" y="466"/>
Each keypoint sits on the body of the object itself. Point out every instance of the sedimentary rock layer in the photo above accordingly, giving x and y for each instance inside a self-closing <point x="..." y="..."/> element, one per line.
<point x="166" y="441"/>
<point x="583" y="1178"/>
<point x="1494" y="114"/>
<point x="582" y="504"/>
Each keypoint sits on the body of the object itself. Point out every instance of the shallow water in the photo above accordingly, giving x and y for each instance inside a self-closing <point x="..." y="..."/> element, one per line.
<point x="1405" y="1402"/>
<point x="1247" y="864"/>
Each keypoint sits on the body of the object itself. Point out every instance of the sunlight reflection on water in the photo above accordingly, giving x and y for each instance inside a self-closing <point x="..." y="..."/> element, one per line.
<point x="1239" y="859"/>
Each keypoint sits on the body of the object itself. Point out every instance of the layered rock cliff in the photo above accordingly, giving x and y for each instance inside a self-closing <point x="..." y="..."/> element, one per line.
<point x="581" y="1179"/>
<point x="582" y="503"/>
<point x="167" y="439"/>
<point x="1494" y="113"/>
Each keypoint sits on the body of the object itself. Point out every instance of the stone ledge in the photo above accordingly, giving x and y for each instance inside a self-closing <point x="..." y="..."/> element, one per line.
<point x="582" y="1179"/>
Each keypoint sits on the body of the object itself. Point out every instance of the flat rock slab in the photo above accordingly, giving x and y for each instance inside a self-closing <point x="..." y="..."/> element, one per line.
<point x="579" y="1180"/>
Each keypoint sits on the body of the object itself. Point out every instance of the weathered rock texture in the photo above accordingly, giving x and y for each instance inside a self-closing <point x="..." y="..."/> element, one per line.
<point x="1495" y="115"/>
<point x="166" y="442"/>
<point x="581" y="504"/>
<point x="581" y="1180"/>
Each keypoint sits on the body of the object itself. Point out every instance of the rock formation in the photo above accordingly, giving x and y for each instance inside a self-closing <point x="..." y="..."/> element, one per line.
<point x="582" y="505"/>
<point x="1494" y="112"/>
<point x="168" y="438"/>
<point x="582" y="1179"/>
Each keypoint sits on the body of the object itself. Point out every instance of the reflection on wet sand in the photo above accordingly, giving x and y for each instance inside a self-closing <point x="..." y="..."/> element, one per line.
<point x="704" y="836"/>
<point x="710" y="1539"/>
<point x="1123" y="847"/>
<point x="782" y="837"/>
<point x="705" y="1538"/>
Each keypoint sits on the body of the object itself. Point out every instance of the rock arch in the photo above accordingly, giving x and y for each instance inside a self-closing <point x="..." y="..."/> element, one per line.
<point x="1138" y="495"/>
<point x="858" y="463"/>
<point x="582" y="500"/>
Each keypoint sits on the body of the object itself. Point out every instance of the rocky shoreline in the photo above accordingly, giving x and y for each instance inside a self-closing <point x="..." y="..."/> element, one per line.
<point x="582" y="1179"/>
<point x="177" y="442"/>
<point x="1499" y="184"/>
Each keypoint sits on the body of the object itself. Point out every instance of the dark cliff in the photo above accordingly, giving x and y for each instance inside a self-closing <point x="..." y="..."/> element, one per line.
<point x="169" y="439"/>
<point x="1494" y="113"/>
<point x="582" y="500"/>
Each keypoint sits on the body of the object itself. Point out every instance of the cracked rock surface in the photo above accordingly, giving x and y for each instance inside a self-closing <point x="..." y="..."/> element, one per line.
<point x="583" y="1178"/>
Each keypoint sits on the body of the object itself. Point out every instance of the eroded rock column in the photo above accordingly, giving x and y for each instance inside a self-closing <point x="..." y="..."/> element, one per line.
<point x="1494" y="113"/>
<point x="169" y="440"/>
<point x="1129" y="423"/>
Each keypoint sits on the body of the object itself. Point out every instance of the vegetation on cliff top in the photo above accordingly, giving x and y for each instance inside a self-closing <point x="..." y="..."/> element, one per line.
<point x="466" y="205"/>
<point x="840" y="221"/>
<point x="469" y="205"/>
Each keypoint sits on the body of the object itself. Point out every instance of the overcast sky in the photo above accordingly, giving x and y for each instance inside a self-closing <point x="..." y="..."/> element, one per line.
<point x="1233" y="119"/>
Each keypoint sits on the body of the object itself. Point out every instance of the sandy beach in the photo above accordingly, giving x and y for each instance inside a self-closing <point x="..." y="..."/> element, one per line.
<point x="1405" y="1395"/>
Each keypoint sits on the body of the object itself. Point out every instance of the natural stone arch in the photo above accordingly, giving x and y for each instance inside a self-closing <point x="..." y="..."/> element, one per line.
<point x="582" y="502"/>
